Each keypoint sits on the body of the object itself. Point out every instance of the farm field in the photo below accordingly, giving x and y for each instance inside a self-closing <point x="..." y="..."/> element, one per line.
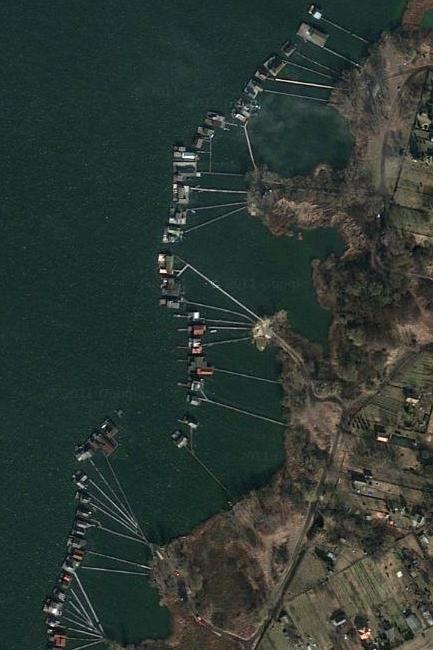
<point x="413" y="195"/>
<point x="310" y="572"/>
<point x="379" y="591"/>
<point x="415" y="186"/>
<point x="417" y="373"/>
<point x="388" y="408"/>
<point x="408" y="219"/>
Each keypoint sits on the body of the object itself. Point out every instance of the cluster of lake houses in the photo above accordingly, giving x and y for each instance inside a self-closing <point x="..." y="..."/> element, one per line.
<point x="198" y="366"/>
<point x="75" y="552"/>
<point x="185" y="159"/>
<point x="101" y="440"/>
<point x="185" y="163"/>
<point x="185" y="167"/>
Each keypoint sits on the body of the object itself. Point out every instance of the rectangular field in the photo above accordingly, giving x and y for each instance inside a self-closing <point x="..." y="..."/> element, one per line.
<point x="377" y="589"/>
<point x="415" y="221"/>
<point x="415" y="187"/>
<point x="387" y="406"/>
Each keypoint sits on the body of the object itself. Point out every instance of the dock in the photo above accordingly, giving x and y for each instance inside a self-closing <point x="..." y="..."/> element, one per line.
<point x="274" y="65"/>
<point x="312" y="35"/>
<point x="102" y="439"/>
<point x="317" y="14"/>
<point x="316" y="37"/>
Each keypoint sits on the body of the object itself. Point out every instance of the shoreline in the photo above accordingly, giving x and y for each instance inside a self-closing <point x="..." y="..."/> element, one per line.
<point x="164" y="582"/>
<point x="356" y="243"/>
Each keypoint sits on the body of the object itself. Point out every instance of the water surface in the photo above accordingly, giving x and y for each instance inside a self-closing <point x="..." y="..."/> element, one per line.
<point x="94" y="95"/>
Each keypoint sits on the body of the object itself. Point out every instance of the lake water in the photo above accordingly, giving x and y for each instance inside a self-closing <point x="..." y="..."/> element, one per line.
<point x="94" y="95"/>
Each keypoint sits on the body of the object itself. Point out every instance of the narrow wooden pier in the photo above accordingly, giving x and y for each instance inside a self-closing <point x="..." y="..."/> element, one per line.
<point x="303" y="83"/>
<point x="220" y="289"/>
<point x="206" y="400"/>
<point x="242" y="374"/>
<point x="313" y="99"/>
<point x="250" y="149"/>
<point x="214" y="220"/>
<point x="311" y="70"/>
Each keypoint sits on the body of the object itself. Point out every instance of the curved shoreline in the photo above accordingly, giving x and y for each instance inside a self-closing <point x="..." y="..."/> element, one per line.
<point x="178" y="548"/>
<point x="356" y="243"/>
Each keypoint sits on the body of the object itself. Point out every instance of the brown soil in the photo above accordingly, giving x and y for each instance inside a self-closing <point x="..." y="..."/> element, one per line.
<point x="321" y="420"/>
<point x="335" y="337"/>
<point x="323" y="198"/>
<point x="308" y="215"/>
<point x="415" y="12"/>
<point x="379" y="102"/>
<point x="241" y="553"/>
<point x="420" y="329"/>
<point x="324" y="297"/>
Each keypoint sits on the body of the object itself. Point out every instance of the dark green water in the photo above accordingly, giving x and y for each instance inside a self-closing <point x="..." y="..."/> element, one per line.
<point x="93" y="96"/>
<point x="427" y="20"/>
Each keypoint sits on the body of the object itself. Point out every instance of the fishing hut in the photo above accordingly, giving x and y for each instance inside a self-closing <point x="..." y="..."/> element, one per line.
<point x="315" y="11"/>
<point x="190" y="421"/>
<point x="197" y="329"/>
<point x="75" y="542"/>
<point x="196" y="385"/>
<point x="102" y="439"/>
<point x="57" y="641"/>
<point x="215" y="120"/>
<point x="311" y="35"/>
<point x="177" y="216"/>
<point x="182" y="173"/>
<point x="170" y="303"/>
<point x="80" y="479"/>
<point x="195" y="347"/>
<point x="253" y="88"/>
<point x="274" y="65"/>
<point x="165" y="264"/>
<point x="171" y="291"/>
<point x="184" y="163"/>
<point x="262" y="74"/>
<point x="244" y="109"/>
<point x="317" y="14"/>
<point x="53" y="606"/>
<point x="180" y="193"/>
<point x="193" y="399"/>
<point x="65" y="580"/>
<point x="171" y="287"/>
<point x="179" y="438"/>
<point x="197" y="141"/>
<point x="316" y="37"/>
<point x="240" y="116"/>
<point x="181" y="153"/>
<point x="199" y="367"/>
<point x="205" y="132"/>
<point x="288" y="49"/>
<point x="171" y="235"/>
